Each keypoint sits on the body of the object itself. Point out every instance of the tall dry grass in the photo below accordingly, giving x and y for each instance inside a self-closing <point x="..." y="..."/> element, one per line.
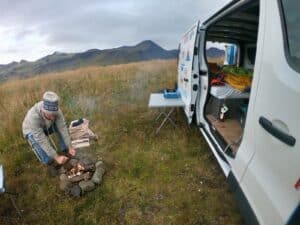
<point x="218" y="60"/>
<point x="171" y="178"/>
<point x="98" y="83"/>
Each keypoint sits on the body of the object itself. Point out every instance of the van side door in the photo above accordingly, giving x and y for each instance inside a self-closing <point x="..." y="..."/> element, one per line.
<point x="270" y="182"/>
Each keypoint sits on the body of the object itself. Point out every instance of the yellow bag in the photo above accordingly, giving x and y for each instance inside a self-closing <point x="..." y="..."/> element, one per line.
<point x="238" y="82"/>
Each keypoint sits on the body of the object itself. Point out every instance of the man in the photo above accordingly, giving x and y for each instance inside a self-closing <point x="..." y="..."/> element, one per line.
<point x="43" y="119"/>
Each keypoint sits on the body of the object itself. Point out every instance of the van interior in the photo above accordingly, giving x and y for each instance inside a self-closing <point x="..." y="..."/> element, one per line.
<point x="230" y="79"/>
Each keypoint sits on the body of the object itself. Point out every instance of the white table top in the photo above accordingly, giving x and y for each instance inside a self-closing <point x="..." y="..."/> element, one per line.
<point x="157" y="100"/>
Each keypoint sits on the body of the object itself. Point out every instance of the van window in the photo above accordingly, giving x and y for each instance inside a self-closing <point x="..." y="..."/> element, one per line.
<point x="251" y="53"/>
<point x="215" y="52"/>
<point x="291" y="14"/>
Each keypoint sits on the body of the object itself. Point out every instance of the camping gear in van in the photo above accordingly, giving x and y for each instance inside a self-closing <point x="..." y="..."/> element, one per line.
<point x="224" y="109"/>
<point x="238" y="77"/>
<point x="214" y="107"/>
<point x="238" y="82"/>
<point x="218" y="80"/>
<point x="228" y="92"/>
<point x="237" y="71"/>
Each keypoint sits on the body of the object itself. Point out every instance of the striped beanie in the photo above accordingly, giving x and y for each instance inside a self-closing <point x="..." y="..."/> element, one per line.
<point x="50" y="102"/>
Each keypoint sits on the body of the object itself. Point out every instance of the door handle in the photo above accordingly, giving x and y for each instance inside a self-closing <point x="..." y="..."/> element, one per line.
<point x="276" y="132"/>
<point x="186" y="80"/>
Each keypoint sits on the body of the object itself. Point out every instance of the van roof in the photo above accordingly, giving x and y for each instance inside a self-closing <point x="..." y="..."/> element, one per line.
<point x="224" y="8"/>
<point x="235" y="22"/>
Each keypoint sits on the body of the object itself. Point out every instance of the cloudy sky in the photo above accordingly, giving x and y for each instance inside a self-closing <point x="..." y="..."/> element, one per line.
<point x="31" y="29"/>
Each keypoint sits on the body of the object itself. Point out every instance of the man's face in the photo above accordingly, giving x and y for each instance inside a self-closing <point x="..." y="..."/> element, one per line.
<point x="49" y="116"/>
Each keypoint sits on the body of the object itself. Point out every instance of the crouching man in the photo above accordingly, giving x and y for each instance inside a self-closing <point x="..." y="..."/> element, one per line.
<point x="43" y="119"/>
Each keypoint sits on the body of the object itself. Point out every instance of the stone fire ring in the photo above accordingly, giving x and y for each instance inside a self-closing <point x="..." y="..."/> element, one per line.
<point x="79" y="176"/>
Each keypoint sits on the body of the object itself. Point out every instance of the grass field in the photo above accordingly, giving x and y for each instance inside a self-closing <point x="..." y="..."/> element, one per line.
<point x="218" y="60"/>
<point x="171" y="178"/>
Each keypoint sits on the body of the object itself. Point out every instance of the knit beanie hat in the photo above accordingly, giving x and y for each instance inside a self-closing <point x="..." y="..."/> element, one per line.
<point x="50" y="102"/>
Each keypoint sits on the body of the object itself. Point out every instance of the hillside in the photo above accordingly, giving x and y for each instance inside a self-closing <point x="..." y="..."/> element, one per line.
<point x="215" y="52"/>
<point x="171" y="178"/>
<point x="146" y="50"/>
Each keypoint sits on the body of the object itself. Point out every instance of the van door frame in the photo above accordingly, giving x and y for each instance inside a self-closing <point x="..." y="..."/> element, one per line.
<point x="241" y="161"/>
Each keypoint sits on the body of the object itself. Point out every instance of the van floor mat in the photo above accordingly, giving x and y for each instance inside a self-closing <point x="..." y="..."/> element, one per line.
<point x="230" y="130"/>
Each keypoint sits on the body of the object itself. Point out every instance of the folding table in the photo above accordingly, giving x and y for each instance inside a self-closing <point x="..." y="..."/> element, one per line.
<point x="157" y="100"/>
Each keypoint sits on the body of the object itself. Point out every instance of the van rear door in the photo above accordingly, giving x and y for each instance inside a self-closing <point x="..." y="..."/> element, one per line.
<point x="188" y="70"/>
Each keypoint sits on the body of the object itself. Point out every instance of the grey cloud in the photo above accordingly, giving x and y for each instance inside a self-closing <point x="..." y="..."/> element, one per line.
<point x="72" y="25"/>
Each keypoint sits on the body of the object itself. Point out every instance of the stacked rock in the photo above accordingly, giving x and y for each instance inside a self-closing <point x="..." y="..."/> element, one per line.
<point x="80" y="176"/>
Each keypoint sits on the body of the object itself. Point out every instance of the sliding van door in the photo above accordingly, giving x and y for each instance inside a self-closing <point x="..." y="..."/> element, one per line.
<point x="188" y="72"/>
<point x="272" y="178"/>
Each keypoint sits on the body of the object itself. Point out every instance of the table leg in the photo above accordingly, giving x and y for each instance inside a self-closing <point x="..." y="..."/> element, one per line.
<point x="165" y="119"/>
<point x="171" y="121"/>
<point x="161" y="112"/>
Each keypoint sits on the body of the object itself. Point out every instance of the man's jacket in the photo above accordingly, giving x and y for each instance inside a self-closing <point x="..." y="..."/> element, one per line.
<point x="37" y="125"/>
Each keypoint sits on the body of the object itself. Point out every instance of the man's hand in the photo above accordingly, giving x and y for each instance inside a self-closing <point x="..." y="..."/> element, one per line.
<point x="61" y="159"/>
<point x="72" y="151"/>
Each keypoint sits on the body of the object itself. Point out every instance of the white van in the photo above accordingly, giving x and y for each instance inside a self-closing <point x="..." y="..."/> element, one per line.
<point x="252" y="128"/>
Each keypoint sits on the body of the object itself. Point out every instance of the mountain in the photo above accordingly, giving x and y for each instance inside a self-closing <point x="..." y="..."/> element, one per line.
<point x="215" y="52"/>
<point x="58" y="61"/>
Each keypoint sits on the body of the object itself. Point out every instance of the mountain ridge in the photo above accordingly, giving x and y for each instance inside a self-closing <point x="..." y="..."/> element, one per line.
<point x="60" y="61"/>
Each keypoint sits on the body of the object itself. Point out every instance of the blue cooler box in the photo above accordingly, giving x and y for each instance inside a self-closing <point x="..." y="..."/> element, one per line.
<point x="171" y="93"/>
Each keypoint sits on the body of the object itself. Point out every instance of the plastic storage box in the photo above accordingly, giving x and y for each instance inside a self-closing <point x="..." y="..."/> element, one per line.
<point x="171" y="93"/>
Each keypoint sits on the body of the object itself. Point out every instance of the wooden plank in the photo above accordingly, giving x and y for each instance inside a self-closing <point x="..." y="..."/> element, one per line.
<point x="230" y="130"/>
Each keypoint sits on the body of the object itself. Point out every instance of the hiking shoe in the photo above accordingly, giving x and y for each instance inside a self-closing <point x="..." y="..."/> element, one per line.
<point x="52" y="171"/>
